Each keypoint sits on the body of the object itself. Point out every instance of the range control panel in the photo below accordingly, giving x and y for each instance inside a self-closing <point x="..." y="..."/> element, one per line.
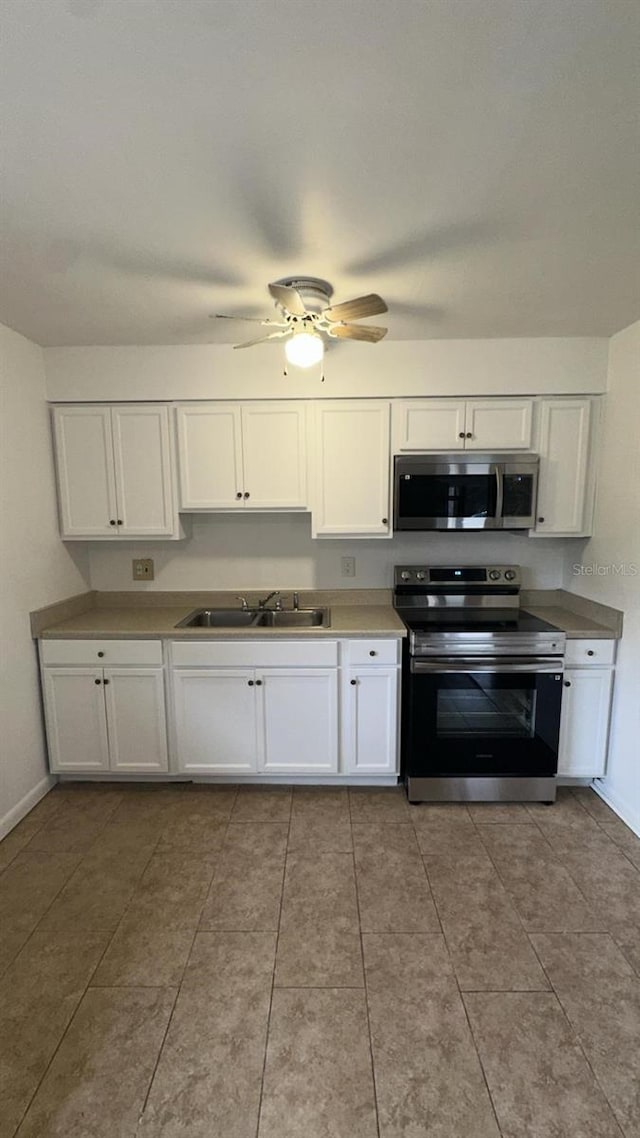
<point x="486" y="575"/>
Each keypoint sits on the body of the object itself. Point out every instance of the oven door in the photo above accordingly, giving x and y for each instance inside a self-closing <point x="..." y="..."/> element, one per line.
<point x="483" y="718"/>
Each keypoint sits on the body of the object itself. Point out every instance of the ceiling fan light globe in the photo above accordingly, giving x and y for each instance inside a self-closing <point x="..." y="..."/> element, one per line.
<point x="304" y="349"/>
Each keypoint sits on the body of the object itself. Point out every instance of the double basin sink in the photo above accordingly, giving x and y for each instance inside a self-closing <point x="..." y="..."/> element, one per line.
<point x="257" y="618"/>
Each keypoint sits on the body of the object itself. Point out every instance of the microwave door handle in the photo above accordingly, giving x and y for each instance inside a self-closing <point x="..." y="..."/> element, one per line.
<point x="499" y="492"/>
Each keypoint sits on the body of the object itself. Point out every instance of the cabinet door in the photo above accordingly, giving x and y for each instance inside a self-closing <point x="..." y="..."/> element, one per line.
<point x="136" y="720"/>
<point x="142" y="454"/>
<point x="498" y="424"/>
<point x="298" y="720"/>
<point x="86" y="479"/>
<point x="564" y="447"/>
<point x="370" y="720"/>
<point x="76" y="721"/>
<point x="584" y="726"/>
<point x="215" y="720"/>
<point x="430" y="424"/>
<point x="351" y="493"/>
<point x="210" y="457"/>
<point x="274" y="455"/>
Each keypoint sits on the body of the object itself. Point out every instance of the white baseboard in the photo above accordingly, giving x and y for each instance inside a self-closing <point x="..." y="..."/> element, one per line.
<point x="22" y="808"/>
<point x="629" y="816"/>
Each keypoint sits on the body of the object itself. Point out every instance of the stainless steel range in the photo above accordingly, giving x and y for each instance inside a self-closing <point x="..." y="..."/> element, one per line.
<point x="481" y="688"/>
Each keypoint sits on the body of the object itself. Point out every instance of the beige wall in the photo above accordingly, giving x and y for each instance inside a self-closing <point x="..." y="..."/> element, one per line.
<point x="608" y="568"/>
<point x="35" y="568"/>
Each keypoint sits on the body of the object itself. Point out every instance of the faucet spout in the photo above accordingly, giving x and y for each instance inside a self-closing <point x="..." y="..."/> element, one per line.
<point x="263" y="603"/>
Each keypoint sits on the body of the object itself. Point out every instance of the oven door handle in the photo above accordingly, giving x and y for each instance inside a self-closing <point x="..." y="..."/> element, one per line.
<point x="533" y="664"/>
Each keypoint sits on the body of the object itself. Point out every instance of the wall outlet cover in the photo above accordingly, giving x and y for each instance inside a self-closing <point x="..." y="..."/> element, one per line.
<point x="348" y="566"/>
<point x="142" y="568"/>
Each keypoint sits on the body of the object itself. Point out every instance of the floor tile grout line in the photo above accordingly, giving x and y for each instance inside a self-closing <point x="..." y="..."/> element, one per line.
<point x="474" y="1042"/>
<point x="365" y="987"/>
<point x="273" y="974"/>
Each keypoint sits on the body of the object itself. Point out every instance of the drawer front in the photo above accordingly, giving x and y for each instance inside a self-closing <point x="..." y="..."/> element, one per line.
<point x="585" y="652"/>
<point x="360" y="652"/>
<point x="102" y="653"/>
<point x="255" y="653"/>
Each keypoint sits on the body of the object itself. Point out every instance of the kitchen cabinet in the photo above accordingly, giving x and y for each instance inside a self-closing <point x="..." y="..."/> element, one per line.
<point x="566" y="485"/>
<point x="104" y="717"/>
<point x="242" y="456"/>
<point x="298" y="720"/>
<point x="586" y="704"/>
<point x="215" y="717"/>
<point x="351" y="469"/>
<point x="115" y="472"/>
<point x="370" y="683"/>
<point x="459" y="424"/>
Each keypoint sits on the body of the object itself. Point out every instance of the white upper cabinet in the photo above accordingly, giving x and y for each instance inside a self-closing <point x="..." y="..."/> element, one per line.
<point x="351" y="469"/>
<point x="565" y="490"/>
<point x="462" y="424"/>
<point x="429" y="424"/>
<point x="115" y="474"/>
<point x="498" y="424"/>
<point x="249" y="456"/>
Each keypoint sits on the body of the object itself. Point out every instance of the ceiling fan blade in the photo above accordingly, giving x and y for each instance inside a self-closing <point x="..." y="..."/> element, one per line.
<point x="372" y="332"/>
<point x="247" y="319"/>
<point x="263" y="339"/>
<point x="371" y="305"/>
<point x="289" y="298"/>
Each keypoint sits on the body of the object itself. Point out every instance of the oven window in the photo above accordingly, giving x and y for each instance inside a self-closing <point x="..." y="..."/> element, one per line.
<point x="476" y="705"/>
<point x="447" y="496"/>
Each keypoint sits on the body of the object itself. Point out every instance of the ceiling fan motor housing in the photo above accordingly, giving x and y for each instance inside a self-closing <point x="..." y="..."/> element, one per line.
<point x="315" y="292"/>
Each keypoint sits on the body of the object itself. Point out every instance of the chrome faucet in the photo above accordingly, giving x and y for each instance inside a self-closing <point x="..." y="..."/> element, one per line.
<point x="276" y="593"/>
<point x="243" y="602"/>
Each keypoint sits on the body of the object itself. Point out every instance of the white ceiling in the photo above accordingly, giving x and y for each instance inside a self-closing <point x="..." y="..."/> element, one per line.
<point x="477" y="162"/>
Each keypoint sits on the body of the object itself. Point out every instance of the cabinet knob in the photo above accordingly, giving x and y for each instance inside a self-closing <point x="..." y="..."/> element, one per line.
<point x="460" y="434"/>
<point x="239" y="494"/>
<point x="112" y="521"/>
<point x="353" y="683"/>
<point x="106" y="681"/>
<point x="590" y="652"/>
<point x="97" y="681"/>
<point x="567" y="683"/>
<point x="100" y="654"/>
<point x="373" y="652"/>
<point x="540" y="519"/>
<point x="385" y="521"/>
<point x="247" y="494"/>
<point x="469" y="434"/>
<point x="250" y="682"/>
<point x="258" y="683"/>
<point x="120" y="522"/>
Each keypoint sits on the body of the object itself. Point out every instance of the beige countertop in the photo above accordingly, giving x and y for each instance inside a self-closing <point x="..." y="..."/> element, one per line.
<point x="160" y="621"/>
<point x="576" y="626"/>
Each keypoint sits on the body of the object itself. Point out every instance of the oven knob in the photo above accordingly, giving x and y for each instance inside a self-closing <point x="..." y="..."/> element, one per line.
<point x="494" y="574"/>
<point x="404" y="576"/>
<point x="510" y="575"/>
<point x="419" y="576"/>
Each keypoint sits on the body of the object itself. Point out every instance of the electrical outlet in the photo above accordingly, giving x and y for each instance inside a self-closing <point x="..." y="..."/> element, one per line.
<point x="348" y="566"/>
<point x="142" y="568"/>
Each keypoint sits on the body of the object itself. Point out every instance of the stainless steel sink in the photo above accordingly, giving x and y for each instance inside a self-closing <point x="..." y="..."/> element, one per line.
<point x="220" y="618"/>
<point x="295" y="618"/>
<point x="257" y="618"/>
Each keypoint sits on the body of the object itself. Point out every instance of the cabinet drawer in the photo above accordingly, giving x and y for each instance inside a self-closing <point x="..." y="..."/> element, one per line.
<point x="590" y="652"/>
<point x="371" y="652"/>
<point x="255" y="653"/>
<point x="102" y="653"/>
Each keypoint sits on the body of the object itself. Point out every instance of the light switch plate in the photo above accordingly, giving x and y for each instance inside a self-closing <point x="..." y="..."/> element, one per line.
<point x="142" y="568"/>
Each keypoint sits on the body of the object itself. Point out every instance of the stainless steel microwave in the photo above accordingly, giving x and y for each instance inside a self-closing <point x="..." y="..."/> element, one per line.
<point x="465" y="492"/>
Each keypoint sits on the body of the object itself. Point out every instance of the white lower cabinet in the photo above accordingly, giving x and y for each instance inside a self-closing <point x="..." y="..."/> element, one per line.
<point x="584" y="724"/>
<point x="215" y="720"/>
<point x="298" y="724"/>
<point x="101" y="718"/>
<point x="370" y="720"/>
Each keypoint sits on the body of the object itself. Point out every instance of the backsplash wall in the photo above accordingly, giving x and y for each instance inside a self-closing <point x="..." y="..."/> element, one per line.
<point x="267" y="551"/>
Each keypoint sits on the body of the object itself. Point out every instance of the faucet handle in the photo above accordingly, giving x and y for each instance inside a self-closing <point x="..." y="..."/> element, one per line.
<point x="243" y="601"/>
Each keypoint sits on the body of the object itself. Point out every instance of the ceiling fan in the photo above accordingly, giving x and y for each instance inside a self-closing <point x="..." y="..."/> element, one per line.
<point x="307" y="317"/>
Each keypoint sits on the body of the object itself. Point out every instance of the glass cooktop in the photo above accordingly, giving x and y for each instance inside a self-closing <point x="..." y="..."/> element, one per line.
<point x="498" y="620"/>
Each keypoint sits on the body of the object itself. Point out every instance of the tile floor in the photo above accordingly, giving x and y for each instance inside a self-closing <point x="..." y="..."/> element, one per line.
<point x="317" y="963"/>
